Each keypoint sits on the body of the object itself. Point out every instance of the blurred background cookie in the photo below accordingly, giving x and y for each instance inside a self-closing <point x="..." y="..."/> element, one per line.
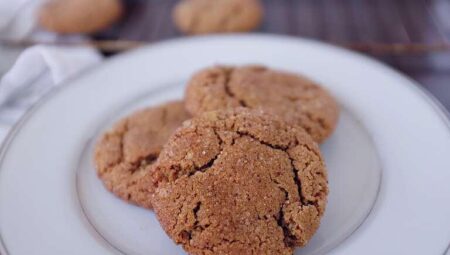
<point x="217" y="16"/>
<point x="79" y="16"/>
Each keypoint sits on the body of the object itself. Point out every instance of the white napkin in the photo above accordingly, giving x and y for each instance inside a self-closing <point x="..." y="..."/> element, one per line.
<point x="39" y="68"/>
<point x="18" y="18"/>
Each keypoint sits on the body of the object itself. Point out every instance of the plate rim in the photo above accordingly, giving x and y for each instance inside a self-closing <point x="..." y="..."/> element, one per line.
<point x="413" y="85"/>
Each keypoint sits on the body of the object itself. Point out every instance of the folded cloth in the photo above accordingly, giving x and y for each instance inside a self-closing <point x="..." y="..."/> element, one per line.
<point x="37" y="70"/>
<point x="18" y="18"/>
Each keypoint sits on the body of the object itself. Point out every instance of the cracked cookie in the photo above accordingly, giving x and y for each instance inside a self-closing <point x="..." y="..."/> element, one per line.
<point x="217" y="16"/>
<point x="79" y="16"/>
<point x="240" y="181"/>
<point x="296" y="99"/>
<point x="126" y="153"/>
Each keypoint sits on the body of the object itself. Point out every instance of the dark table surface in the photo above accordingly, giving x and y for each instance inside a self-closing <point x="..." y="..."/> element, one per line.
<point x="343" y="22"/>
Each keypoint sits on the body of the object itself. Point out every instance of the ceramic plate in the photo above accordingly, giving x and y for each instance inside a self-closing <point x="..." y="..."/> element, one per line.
<point x="388" y="164"/>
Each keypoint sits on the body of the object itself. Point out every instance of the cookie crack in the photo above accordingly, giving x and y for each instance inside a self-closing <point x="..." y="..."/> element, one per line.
<point x="211" y="162"/>
<point x="221" y="142"/>
<point x="206" y="166"/>
<point x="295" y="171"/>
<point x="139" y="163"/>
<point x="283" y="149"/>
<point x="187" y="234"/>
<point x="228" y="74"/>
<point x="297" y="181"/>
<point x="319" y="121"/>
<point x="273" y="146"/>
<point x="143" y="162"/>
<point x="121" y="134"/>
<point x="196" y="227"/>
<point x="289" y="238"/>
<point x="310" y="150"/>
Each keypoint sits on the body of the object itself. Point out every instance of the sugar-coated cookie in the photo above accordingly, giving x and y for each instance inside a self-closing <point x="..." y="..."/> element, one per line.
<point x="296" y="99"/>
<point x="240" y="181"/>
<point x="126" y="153"/>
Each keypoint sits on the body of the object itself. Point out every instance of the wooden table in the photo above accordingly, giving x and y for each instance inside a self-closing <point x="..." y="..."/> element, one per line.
<point x="353" y="23"/>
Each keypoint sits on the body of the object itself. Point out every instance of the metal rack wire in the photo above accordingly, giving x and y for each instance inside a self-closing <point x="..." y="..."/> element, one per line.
<point x="407" y="25"/>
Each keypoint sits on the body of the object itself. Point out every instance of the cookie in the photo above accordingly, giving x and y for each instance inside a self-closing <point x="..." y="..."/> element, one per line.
<point x="79" y="16"/>
<point x="240" y="181"/>
<point x="217" y="16"/>
<point x="296" y="99"/>
<point x="126" y="153"/>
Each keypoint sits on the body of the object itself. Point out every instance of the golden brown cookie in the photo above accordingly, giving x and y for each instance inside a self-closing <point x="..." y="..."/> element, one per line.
<point x="126" y="153"/>
<point x="240" y="181"/>
<point x="217" y="16"/>
<point x="79" y="16"/>
<point x="295" y="98"/>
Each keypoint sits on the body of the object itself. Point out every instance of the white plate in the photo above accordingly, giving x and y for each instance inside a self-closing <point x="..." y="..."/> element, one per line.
<point x="354" y="175"/>
<point x="52" y="203"/>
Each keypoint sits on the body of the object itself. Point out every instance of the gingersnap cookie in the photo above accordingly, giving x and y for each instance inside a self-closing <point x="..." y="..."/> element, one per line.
<point x="296" y="99"/>
<point x="126" y="153"/>
<point x="217" y="16"/>
<point x="79" y="16"/>
<point x="240" y="181"/>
